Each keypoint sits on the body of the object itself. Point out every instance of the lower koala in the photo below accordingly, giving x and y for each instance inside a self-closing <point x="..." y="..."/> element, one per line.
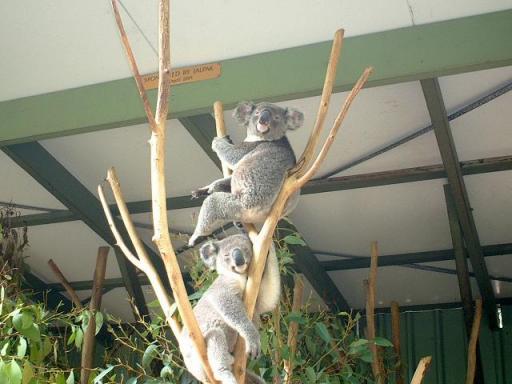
<point x="221" y="312"/>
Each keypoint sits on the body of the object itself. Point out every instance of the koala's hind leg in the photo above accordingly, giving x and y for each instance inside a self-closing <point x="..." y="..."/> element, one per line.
<point x="219" y="185"/>
<point x="219" y="357"/>
<point x="217" y="209"/>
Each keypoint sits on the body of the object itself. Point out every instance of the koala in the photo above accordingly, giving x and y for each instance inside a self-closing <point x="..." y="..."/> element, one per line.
<point x="221" y="312"/>
<point x="260" y="165"/>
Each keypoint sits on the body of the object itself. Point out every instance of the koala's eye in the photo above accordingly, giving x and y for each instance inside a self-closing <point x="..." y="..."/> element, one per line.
<point x="277" y="118"/>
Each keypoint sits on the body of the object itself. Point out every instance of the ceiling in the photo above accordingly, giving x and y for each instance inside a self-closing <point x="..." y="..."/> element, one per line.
<point x="59" y="45"/>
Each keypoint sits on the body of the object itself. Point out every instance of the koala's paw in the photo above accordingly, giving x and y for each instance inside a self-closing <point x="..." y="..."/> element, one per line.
<point x="200" y="192"/>
<point x="218" y="142"/>
<point x="253" y="346"/>
<point x="193" y="240"/>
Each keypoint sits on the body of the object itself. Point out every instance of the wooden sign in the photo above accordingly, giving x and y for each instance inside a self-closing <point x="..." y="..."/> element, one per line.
<point x="185" y="75"/>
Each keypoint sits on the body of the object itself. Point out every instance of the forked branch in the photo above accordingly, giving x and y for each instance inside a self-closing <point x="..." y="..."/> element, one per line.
<point x="161" y="236"/>
<point x="296" y="179"/>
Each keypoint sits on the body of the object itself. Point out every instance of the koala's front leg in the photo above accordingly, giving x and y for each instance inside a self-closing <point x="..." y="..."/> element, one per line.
<point x="217" y="209"/>
<point x="219" y="185"/>
<point x="233" y="312"/>
<point x="219" y="357"/>
<point x="229" y="153"/>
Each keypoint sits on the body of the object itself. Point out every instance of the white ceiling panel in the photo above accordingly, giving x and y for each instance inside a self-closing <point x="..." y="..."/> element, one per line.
<point x="490" y="198"/>
<point x="76" y="43"/>
<point x="88" y="156"/>
<point x="378" y="117"/>
<point x="73" y="247"/>
<point x="402" y="218"/>
<point x="485" y="131"/>
<point x="428" y="11"/>
<point x="19" y="187"/>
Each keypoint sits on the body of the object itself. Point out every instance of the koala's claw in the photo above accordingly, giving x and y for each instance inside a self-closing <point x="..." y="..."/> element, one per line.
<point x="193" y="240"/>
<point x="253" y="348"/>
<point x="200" y="192"/>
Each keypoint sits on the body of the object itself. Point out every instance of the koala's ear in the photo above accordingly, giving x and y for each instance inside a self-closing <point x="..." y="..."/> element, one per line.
<point x="208" y="254"/>
<point x="243" y="111"/>
<point x="294" y="118"/>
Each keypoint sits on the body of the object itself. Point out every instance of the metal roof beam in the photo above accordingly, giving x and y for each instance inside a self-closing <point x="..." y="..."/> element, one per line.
<point x="406" y="258"/>
<point x="306" y="263"/>
<point x="439" y="119"/>
<point x="367" y="180"/>
<point x="48" y="172"/>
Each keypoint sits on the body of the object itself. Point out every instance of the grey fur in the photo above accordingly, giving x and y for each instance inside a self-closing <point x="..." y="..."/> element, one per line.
<point x="260" y="165"/>
<point x="221" y="313"/>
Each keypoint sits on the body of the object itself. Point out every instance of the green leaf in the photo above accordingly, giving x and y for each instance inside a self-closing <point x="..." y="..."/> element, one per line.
<point x="99" y="321"/>
<point x="3" y="351"/>
<point x="71" y="338"/>
<point x="165" y="372"/>
<point x="28" y="373"/>
<point x="133" y="380"/>
<point x="295" y="316"/>
<point x="60" y="379"/>
<point x="358" y="343"/>
<point x="71" y="378"/>
<point x="311" y="375"/>
<point x="79" y="338"/>
<point x="22" y="320"/>
<point x="105" y="372"/>
<point x="2" y="298"/>
<point x="153" y="304"/>
<point x="46" y="347"/>
<point x="149" y="354"/>
<point x="367" y="356"/>
<point x="13" y="372"/>
<point x="32" y="333"/>
<point x="382" y="342"/>
<point x="294" y="239"/>
<point x="323" y="332"/>
<point x="22" y="347"/>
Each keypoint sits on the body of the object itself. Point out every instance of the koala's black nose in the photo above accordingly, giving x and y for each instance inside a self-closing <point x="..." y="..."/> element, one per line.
<point x="265" y="117"/>
<point x="238" y="257"/>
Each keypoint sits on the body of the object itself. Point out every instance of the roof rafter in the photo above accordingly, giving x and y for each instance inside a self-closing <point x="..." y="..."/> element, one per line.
<point x="47" y="171"/>
<point x="366" y="180"/>
<point x="439" y="119"/>
<point x="406" y="258"/>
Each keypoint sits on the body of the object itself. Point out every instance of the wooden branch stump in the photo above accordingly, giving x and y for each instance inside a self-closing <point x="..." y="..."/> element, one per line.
<point x="395" y="332"/>
<point x="94" y="306"/>
<point x="377" y="366"/>
<point x="473" y="343"/>
<point x="421" y="370"/>
<point x="298" y="293"/>
<point x="65" y="283"/>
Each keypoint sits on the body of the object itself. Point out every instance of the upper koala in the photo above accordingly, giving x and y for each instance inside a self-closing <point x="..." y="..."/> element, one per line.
<point x="221" y="312"/>
<point x="260" y="165"/>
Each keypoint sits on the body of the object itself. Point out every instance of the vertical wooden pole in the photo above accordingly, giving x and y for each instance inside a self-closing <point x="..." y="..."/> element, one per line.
<point x="370" y="314"/>
<point x="473" y="343"/>
<point x="395" y="331"/>
<point x="94" y="306"/>
<point x="298" y="293"/>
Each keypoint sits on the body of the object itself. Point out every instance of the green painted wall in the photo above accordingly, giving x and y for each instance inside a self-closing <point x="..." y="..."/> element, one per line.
<point x="441" y="333"/>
